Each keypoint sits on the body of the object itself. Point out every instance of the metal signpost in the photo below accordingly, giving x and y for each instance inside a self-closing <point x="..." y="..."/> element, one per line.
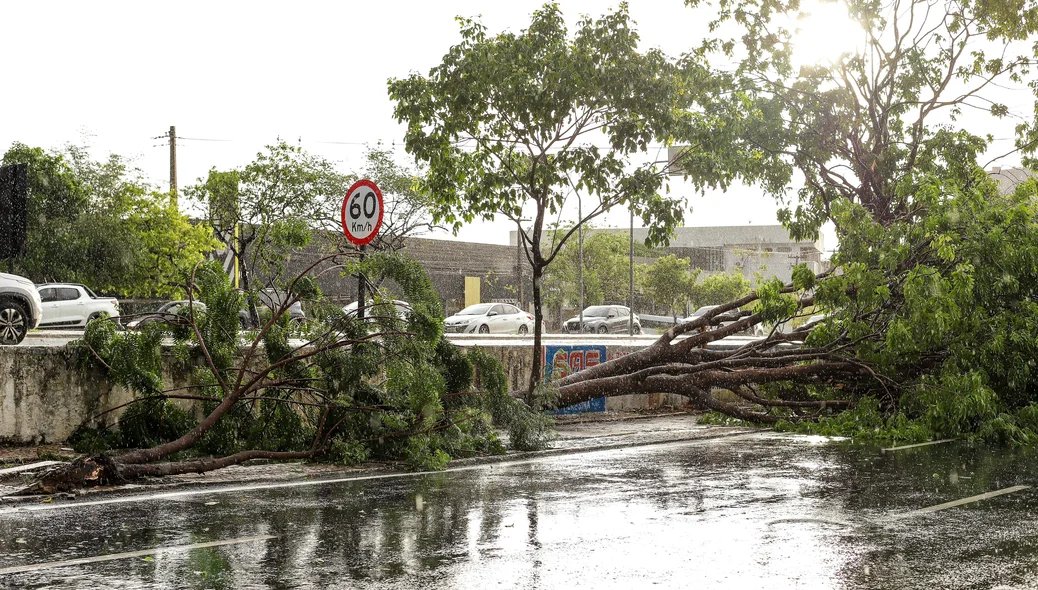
<point x="362" y="211"/>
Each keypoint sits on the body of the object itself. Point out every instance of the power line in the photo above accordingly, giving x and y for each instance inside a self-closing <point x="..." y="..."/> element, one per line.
<point x="202" y="138"/>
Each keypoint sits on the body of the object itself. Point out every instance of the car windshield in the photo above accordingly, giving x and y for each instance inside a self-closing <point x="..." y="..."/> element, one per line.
<point x="597" y="311"/>
<point x="702" y="310"/>
<point x="168" y="307"/>
<point x="479" y="309"/>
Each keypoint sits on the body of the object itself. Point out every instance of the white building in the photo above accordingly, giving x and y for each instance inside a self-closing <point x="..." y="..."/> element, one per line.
<point x="751" y="249"/>
<point x="1008" y="178"/>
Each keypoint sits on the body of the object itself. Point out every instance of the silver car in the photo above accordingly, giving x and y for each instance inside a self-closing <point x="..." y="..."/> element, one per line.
<point x="489" y="318"/>
<point x="605" y="319"/>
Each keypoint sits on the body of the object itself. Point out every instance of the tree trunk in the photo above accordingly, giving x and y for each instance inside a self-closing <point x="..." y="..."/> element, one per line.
<point x="251" y="304"/>
<point x="106" y="470"/>
<point x="536" y="371"/>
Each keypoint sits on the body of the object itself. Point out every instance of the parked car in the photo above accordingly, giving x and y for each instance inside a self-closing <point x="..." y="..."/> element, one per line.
<point x="20" y="308"/>
<point x="402" y="308"/>
<point x="489" y="318"/>
<point x="269" y="299"/>
<point x="605" y="319"/>
<point x="787" y="326"/>
<point x="702" y="312"/>
<point x="168" y="312"/>
<point x="73" y="305"/>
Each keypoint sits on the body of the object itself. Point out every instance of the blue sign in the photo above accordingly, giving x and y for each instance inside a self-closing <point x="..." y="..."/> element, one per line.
<point x="562" y="360"/>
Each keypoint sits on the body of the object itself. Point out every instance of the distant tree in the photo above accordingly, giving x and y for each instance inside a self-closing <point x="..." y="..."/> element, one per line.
<point x="516" y="121"/>
<point x="268" y="208"/>
<point x="606" y="271"/>
<point x="718" y="288"/>
<point x="101" y="224"/>
<point x="668" y="281"/>
<point x="407" y="204"/>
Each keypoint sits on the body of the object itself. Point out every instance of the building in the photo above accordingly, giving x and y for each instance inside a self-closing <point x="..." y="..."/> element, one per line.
<point x="1008" y="178"/>
<point x="461" y="272"/>
<point x="767" y="250"/>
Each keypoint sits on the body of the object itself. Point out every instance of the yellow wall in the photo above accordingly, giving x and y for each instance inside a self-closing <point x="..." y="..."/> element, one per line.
<point x="471" y="291"/>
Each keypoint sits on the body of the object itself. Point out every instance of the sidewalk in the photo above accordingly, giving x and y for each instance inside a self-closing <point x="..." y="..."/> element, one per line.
<point x="577" y="434"/>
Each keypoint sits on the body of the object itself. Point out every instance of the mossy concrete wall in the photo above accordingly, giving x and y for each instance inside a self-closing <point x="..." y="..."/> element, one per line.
<point x="45" y="394"/>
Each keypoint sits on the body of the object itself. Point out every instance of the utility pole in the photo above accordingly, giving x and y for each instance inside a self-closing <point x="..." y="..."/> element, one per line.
<point x="519" y="260"/>
<point x="173" y="164"/>
<point x="580" y="257"/>
<point x="630" y="308"/>
<point x="519" y="264"/>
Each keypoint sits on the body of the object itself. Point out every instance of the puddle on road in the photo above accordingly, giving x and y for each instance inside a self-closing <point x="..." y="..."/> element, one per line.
<point x="769" y="512"/>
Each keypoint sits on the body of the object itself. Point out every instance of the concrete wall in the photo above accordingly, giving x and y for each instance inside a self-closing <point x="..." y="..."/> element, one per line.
<point x="45" y="396"/>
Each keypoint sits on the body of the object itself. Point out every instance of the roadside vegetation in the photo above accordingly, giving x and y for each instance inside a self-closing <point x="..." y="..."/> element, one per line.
<point x="342" y="390"/>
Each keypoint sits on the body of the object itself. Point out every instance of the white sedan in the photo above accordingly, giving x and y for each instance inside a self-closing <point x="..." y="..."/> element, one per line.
<point x="489" y="318"/>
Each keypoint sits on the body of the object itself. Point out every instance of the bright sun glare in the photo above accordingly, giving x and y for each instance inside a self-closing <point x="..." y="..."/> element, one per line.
<point x="824" y="32"/>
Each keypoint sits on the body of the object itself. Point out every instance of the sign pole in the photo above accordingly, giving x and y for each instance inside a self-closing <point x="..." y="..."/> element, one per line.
<point x="360" y="288"/>
<point x="362" y="212"/>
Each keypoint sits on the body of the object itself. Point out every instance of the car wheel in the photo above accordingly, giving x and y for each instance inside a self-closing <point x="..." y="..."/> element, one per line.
<point x="14" y="322"/>
<point x="484" y="329"/>
<point x="602" y="329"/>
<point x="523" y="329"/>
<point x="637" y="328"/>
<point x="91" y="318"/>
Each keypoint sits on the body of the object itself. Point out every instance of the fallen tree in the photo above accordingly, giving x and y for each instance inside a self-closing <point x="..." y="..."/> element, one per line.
<point x="931" y="314"/>
<point x="339" y="389"/>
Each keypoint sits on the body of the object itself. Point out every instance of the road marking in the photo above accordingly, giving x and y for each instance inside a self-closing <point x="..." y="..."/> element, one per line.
<point x="27" y="467"/>
<point x="320" y="482"/>
<point x="925" y="444"/>
<point x="32" y="567"/>
<point x="955" y="503"/>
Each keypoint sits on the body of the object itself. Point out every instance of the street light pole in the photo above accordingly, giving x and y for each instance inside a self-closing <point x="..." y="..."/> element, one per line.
<point x="630" y="306"/>
<point x="580" y="262"/>
<point x="519" y="260"/>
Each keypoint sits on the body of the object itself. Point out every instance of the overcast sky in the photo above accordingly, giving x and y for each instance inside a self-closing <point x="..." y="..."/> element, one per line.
<point x="235" y="76"/>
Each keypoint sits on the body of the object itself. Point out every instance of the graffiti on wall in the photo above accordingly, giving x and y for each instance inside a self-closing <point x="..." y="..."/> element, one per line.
<point x="562" y="360"/>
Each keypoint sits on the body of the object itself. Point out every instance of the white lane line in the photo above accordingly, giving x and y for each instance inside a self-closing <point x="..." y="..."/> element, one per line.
<point x="321" y="482"/>
<point x="925" y="444"/>
<point x="32" y="567"/>
<point x="955" y="503"/>
<point x="28" y="467"/>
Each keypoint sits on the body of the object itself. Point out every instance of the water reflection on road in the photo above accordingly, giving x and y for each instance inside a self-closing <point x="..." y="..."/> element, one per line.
<point x="757" y="511"/>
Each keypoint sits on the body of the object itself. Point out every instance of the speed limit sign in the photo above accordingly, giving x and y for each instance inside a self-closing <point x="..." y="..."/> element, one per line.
<point x="362" y="212"/>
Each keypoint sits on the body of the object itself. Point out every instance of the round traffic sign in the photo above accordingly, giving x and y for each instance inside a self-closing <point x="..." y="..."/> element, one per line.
<point x="362" y="211"/>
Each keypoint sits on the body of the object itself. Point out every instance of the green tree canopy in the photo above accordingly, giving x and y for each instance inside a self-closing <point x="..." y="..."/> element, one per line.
<point x="518" y="123"/>
<point x="718" y="288"/>
<point x="268" y="209"/>
<point x="668" y="282"/>
<point x="99" y="223"/>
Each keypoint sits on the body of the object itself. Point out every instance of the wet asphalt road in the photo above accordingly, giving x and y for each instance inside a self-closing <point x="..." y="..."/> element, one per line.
<point x="752" y="511"/>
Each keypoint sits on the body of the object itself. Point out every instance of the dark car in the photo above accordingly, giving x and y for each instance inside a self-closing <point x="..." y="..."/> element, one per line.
<point x="267" y="300"/>
<point x="168" y="312"/>
<point x="605" y="319"/>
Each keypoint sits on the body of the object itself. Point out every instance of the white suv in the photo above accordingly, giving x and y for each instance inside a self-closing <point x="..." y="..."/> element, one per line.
<point x="20" y="308"/>
<point x="71" y="304"/>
